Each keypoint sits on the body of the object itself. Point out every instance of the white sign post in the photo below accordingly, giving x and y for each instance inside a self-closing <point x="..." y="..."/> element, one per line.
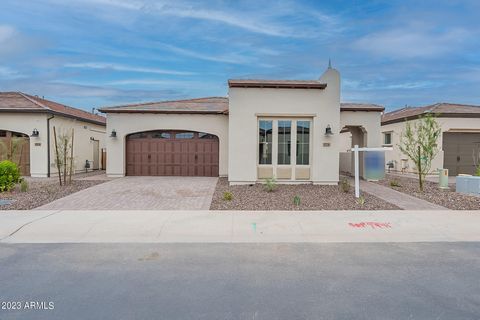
<point x="356" y="150"/>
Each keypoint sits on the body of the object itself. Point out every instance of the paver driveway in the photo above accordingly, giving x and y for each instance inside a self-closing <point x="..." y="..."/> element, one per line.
<point x="142" y="193"/>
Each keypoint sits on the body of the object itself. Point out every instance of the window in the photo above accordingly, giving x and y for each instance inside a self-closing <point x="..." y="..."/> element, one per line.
<point x="303" y="142"/>
<point x="203" y="135"/>
<point x="284" y="141"/>
<point x="161" y="135"/>
<point x="140" y="135"/>
<point x="184" y="135"/>
<point x="3" y="133"/>
<point x="387" y="138"/>
<point x="265" y="141"/>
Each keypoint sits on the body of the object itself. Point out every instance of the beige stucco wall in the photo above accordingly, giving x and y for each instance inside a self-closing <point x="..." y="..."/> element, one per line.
<point x="247" y="104"/>
<point x="83" y="146"/>
<point x="125" y="124"/>
<point x="26" y="122"/>
<point x="370" y="123"/>
<point x="447" y="125"/>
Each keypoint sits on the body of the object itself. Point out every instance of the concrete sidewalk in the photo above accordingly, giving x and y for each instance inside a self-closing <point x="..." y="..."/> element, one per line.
<point x="237" y="227"/>
<point x="400" y="199"/>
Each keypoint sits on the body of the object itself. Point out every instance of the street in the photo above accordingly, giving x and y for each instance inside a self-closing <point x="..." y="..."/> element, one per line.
<point x="437" y="280"/>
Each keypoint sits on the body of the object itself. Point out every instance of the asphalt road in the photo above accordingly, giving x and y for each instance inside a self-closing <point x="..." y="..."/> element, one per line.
<point x="242" y="281"/>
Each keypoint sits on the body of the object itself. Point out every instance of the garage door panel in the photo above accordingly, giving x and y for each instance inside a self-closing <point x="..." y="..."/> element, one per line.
<point x="459" y="152"/>
<point x="187" y="155"/>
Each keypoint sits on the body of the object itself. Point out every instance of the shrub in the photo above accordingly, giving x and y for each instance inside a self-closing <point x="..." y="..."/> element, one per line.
<point x="24" y="185"/>
<point x="270" y="184"/>
<point x="477" y="171"/>
<point x="227" y="196"/>
<point x="345" y="185"/>
<point x="394" y="183"/>
<point x="296" y="200"/>
<point x="9" y="175"/>
<point x="361" y="200"/>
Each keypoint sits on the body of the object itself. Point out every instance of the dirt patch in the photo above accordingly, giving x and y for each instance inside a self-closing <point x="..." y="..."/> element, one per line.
<point x="444" y="197"/>
<point x="42" y="191"/>
<point x="312" y="197"/>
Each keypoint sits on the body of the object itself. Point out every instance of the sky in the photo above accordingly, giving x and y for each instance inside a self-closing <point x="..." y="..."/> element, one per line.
<point x="94" y="53"/>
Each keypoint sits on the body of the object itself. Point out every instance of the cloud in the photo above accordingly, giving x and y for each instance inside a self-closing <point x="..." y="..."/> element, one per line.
<point x="13" y="43"/>
<point x="120" y="67"/>
<point x="412" y="42"/>
<point x="269" y="19"/>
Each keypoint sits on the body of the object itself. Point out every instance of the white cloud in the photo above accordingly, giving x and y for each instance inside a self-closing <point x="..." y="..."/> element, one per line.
<point x="6" y="33"/>
<point x="412" y="42"/>
<point x="120" y="67"/>
<point x="268" y="19"/>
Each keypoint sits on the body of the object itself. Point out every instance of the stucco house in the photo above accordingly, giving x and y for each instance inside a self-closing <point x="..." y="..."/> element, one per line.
<point x="287" y="129"/>
<point x="459" y="143"/>
<point x="31" y="119"/>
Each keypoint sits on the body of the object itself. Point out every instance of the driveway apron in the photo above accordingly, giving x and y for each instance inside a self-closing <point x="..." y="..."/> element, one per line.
<point x="141" y="193"/>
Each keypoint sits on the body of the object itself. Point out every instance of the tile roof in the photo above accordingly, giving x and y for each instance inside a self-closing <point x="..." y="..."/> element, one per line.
<point x="215" y="105"/>
<point x="348" y="106"/>
<point x="21" y="102"/>
<point x="440" y="109"/>
<point x="290" y="84"/>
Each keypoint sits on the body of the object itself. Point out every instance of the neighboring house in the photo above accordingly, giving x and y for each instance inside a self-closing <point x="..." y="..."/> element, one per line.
<point x="287" y="129"/>
<point x="459" y="142"/>
<point x="31" y="119"/>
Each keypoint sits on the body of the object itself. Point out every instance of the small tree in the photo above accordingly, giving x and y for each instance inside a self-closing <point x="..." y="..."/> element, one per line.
<point x="419" y="143"/>
<point x="64" y="155"/>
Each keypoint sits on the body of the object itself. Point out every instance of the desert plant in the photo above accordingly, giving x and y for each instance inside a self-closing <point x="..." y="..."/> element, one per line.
<point x="24" y="185"/>
<point x="361" y="200"/>
<point x="270" y="184"/>
<point x="419" y="143"/>
<point x="296" y="200"/>
<point x="477" y="171"/>
<point x="345" y="185"/>
<point x="227" y="196"/>
<point x="395" y="183"/>
<point x="64" y="154"/>
<point x="9" y="175"/>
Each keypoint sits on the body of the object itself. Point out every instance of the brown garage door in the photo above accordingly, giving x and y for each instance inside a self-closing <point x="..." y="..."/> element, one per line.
<point x="15" y="146"/>
<point x="172" y="153"/>
<point x="460" y="150"/>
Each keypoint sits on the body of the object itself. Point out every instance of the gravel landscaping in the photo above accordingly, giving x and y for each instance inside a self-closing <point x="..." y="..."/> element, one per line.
<point x="312" y="197"/>
<point x="44" y="190"/>
<point x="447" y="198"/>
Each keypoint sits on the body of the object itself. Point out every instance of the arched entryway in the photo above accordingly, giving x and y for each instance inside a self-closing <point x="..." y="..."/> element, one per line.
<point x="357" y="135"/>
<point x="15" y="146"/>
<point x="172" y="153"/>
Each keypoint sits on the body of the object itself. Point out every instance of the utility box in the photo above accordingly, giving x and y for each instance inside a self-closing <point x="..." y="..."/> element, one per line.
<point x="468" y="184"/>
<point x="443" y="178"/>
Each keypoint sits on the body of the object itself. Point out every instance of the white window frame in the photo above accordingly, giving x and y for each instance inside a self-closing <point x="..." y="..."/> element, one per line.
<point x="293" y="144"/>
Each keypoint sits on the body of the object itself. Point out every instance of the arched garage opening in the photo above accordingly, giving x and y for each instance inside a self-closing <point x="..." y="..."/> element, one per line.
<point x="172" y="153"/>
<point x="15" y="146"/>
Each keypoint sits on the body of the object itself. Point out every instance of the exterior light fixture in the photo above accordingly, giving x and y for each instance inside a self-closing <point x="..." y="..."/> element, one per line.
<point x="35" y="133"/>
<point x="328" y="131"/>
<point x="92" y="139"/>
<point x="113" y="134"/>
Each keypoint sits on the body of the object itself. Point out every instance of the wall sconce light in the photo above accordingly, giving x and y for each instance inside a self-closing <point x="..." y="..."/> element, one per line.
<point x="113" y="134"/>
<point x="35" y="133"/>
<point x="92" y="139"/>
<point x="328" y="131"/>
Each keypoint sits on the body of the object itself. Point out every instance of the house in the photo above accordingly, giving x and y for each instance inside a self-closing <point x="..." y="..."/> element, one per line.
<point x="459" y="142"/>
<point x="287" y="129"/>
<point x="31" y="119"/>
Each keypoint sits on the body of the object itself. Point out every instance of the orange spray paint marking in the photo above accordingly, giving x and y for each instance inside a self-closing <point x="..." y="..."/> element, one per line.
<point x="373" y="225"/>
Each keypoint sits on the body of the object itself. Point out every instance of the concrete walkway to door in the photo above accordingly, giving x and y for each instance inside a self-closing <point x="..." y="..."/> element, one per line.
<point x="141" y="193"/>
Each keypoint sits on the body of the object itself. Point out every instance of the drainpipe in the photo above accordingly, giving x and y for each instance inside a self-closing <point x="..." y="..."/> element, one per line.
<point x="48" y="145"/>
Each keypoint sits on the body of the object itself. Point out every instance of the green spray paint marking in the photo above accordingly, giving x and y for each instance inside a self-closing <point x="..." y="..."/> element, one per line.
<point x="254" y="226"/>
